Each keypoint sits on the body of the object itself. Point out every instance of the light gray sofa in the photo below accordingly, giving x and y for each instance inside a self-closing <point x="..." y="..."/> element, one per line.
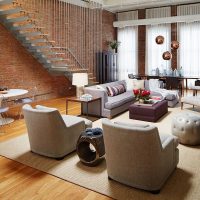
<point x="52" y="134"/>
<point x="136" y="155"/>
<point x="172" y="100"/>
<point x="111" y="106"/>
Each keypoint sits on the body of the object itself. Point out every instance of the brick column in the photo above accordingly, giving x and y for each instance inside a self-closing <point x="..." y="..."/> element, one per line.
<point x="174" y="37"/>
<point x="141" y="43"/>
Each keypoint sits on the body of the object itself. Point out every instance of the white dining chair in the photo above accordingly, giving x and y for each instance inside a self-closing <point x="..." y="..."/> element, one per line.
<point x="3" y="113"/>
<point x="27" y="100"/>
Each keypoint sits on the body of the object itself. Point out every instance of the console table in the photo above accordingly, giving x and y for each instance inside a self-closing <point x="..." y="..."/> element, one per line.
<point x="180" y="78"/>
<point x="87" y="102"/>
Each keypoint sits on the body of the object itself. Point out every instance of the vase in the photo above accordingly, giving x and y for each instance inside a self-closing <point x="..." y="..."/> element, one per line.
<point x="114" y="50"/>
<point x="141" y="100"/>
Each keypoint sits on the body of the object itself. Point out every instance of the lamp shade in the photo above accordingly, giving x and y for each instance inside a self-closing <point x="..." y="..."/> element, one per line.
<point x="80" y="79"/>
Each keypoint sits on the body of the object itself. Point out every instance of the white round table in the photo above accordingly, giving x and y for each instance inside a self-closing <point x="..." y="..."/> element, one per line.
<point x="10" y="93"/>
<point x="14" y="93"/>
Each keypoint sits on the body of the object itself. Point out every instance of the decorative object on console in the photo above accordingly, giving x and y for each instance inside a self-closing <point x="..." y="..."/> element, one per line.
<point x="79" y="80"/>
<point x="160" y="39"/>
<point x="86" y="97"/>
<point x="167" y="55"/>
<point x="174" y="45"/>
<point x="142" y="95"/>
<point x="114" y="45"/>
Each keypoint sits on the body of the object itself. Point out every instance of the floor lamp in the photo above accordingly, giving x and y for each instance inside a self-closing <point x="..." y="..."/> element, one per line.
<point x="79" y="80"/>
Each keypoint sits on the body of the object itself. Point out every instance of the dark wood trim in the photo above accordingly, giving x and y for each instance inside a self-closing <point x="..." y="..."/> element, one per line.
<point x="141" y="43"/>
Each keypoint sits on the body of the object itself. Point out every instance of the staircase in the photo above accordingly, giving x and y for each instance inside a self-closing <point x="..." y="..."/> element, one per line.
<point x="55" y="59"/>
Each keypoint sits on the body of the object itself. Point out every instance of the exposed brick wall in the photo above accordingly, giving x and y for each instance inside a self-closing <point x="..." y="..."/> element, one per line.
<point x="141" y="43"/>
<point x="108" y="32"/>
<point x="174" y="37"/>
<point x="19" y="69"/>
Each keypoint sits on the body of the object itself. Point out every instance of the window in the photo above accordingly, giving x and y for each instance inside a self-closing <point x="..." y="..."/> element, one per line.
<point x="128" y="49"/>
<point x="154" y="51"/>
<point x="188" y="36"/>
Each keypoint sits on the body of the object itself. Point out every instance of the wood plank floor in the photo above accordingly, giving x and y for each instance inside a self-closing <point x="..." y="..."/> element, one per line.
<point x="20" y="182"/>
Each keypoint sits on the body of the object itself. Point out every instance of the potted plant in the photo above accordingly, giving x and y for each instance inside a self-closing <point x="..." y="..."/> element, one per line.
<point x="113" y="45"/>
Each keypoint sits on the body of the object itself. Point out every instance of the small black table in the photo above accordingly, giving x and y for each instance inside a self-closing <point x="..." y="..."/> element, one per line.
<point x="91" y="137"/>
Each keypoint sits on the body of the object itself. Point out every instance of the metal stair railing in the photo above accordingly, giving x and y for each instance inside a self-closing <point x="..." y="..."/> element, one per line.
<point x="42" y="47"/>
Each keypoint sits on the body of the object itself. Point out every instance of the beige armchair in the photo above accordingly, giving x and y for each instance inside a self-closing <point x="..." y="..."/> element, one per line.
<point x="136" y="155"/>
<point x="50" y="133"/>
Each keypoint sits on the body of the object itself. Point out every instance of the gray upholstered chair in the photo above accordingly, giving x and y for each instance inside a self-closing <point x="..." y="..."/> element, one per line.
<point x="50" y="133"/>
<point x="136" y="155"/>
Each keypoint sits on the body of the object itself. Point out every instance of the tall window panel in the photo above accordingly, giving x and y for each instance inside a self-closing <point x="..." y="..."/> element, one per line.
<point x="154" y="51"/>
<point x="128" y="49"/>
<point x="188" y="36"/>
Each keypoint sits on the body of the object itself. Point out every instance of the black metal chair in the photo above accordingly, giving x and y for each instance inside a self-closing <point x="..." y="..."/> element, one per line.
<point x="175" y="83"/>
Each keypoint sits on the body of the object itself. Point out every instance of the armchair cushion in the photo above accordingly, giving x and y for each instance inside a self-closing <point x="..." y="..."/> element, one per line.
<point x="119" y="100"/>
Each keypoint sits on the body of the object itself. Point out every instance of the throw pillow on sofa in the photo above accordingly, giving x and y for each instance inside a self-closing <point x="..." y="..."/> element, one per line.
<point x="134" y="84"/>
<point x="115" y="90"/>
<point x="138" y="84"/>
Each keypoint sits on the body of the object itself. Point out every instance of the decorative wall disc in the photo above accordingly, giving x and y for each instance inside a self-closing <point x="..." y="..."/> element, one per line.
<point x="167" y="55"/>
<point x="160" y="39"/>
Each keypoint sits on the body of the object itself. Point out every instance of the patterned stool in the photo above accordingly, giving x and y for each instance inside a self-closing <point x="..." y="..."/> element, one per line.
<point x="186" y="126"/>
<point x="88" y="139"/>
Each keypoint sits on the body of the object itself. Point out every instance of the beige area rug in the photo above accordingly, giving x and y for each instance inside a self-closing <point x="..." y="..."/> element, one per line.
<point x="183" y="184"/>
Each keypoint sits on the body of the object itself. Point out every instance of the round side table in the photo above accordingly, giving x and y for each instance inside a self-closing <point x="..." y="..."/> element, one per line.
<point x="90" y="146"/>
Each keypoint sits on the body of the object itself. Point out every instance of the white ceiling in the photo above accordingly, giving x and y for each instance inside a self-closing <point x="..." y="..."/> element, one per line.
<point x="124" y="5"/>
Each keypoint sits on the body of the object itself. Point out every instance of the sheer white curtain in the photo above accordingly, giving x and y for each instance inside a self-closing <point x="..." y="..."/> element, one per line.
<point x="154" y="51"/>
<point x="188" y="36"/>
<point x="128" y="49"/>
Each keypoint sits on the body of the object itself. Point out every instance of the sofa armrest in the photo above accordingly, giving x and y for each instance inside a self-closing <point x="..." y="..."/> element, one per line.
<point x="97" y="93"/>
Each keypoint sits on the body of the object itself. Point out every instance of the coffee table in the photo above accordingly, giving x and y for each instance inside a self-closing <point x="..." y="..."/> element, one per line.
<point x="148" y="113"/>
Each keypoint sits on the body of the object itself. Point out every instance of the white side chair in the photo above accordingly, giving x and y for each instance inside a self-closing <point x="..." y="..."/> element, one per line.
<point x="3" y="112"/>
<point x="26" y="100"/>
<point x="52" y="134"/>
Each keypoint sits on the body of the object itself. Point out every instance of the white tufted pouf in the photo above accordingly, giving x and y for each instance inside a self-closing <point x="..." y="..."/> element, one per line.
<point x="186" y="126"/>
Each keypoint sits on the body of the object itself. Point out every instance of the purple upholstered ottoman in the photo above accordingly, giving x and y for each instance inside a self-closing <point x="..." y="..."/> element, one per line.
<point x="148" y="113"/>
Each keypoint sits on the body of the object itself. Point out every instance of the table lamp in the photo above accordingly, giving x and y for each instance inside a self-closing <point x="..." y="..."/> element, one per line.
<point x="79" y="80"/>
